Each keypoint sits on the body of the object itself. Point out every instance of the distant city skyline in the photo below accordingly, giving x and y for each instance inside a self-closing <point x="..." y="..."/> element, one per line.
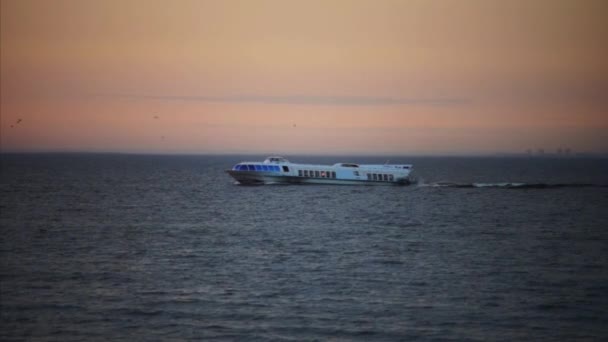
<point x="304" y="77"/>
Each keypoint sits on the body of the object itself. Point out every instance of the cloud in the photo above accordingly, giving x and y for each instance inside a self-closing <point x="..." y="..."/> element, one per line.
<point x="306" y="100"/>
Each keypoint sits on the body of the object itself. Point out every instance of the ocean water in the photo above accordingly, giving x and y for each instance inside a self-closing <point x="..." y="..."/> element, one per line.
<point x="135" y="247"/>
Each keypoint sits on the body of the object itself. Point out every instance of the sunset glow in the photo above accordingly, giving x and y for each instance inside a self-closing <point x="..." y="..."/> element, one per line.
<point x="317" y="77"/>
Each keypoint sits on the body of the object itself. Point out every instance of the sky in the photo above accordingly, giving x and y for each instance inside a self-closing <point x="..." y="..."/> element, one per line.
<point x="403" y="77"/>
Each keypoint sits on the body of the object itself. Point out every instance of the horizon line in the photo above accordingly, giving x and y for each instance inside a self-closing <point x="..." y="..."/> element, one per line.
<point x="305" y="154"/>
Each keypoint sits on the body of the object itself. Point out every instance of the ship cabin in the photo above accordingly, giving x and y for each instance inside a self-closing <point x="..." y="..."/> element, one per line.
<point x="270" y="164"/>
<point x="276" y="160"/>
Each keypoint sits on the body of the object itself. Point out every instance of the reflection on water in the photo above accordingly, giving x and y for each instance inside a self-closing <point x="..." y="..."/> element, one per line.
<point x="99" y="247"/>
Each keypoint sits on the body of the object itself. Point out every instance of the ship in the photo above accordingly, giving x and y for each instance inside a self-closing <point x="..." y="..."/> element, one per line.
<point x="279" y="170"/>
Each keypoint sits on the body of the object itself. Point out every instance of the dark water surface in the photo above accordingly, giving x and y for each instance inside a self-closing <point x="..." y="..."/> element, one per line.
<point x="121" y="247"/>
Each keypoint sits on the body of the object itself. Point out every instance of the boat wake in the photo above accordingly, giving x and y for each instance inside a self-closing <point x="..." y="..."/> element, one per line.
<point x="511" y="185"/>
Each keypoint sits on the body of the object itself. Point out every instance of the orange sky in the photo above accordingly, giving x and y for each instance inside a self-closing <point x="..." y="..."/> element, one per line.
<point x="387" y="77"/>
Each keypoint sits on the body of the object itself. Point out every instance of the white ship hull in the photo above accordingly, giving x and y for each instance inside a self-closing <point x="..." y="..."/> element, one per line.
<point x="277" y="170"/>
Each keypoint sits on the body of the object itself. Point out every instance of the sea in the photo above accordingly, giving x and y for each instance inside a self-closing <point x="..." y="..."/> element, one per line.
<point x="119" y="247"/>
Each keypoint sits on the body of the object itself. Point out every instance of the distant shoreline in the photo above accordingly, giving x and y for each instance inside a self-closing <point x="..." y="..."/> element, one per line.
<point x="308" y="155"/>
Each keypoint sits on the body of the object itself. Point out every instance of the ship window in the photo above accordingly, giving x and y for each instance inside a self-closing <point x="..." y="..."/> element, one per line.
<point x="390" y="178"/>
<point x="333" y="174"/>
<point x="264" y="167"/>
<point x="258" y="167"/>
<point x="356" y="173"/>
<point x="305" y="173"/>
<point x="369" y="176"/>
<point x="323" y="174"/>
<point x="276" y="168"/>
<point x="285" y="168"/>
<point x="374" y="176"/>
<point x="300" y="173"/>
<point x="250" y="167"/>
<point x="317" y="174"/>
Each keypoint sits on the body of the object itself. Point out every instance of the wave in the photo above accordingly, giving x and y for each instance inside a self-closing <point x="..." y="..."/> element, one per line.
<point x="512" y="185"/>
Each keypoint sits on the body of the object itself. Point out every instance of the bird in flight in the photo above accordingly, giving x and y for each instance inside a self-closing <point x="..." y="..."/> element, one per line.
<point x="18" y="122"/>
